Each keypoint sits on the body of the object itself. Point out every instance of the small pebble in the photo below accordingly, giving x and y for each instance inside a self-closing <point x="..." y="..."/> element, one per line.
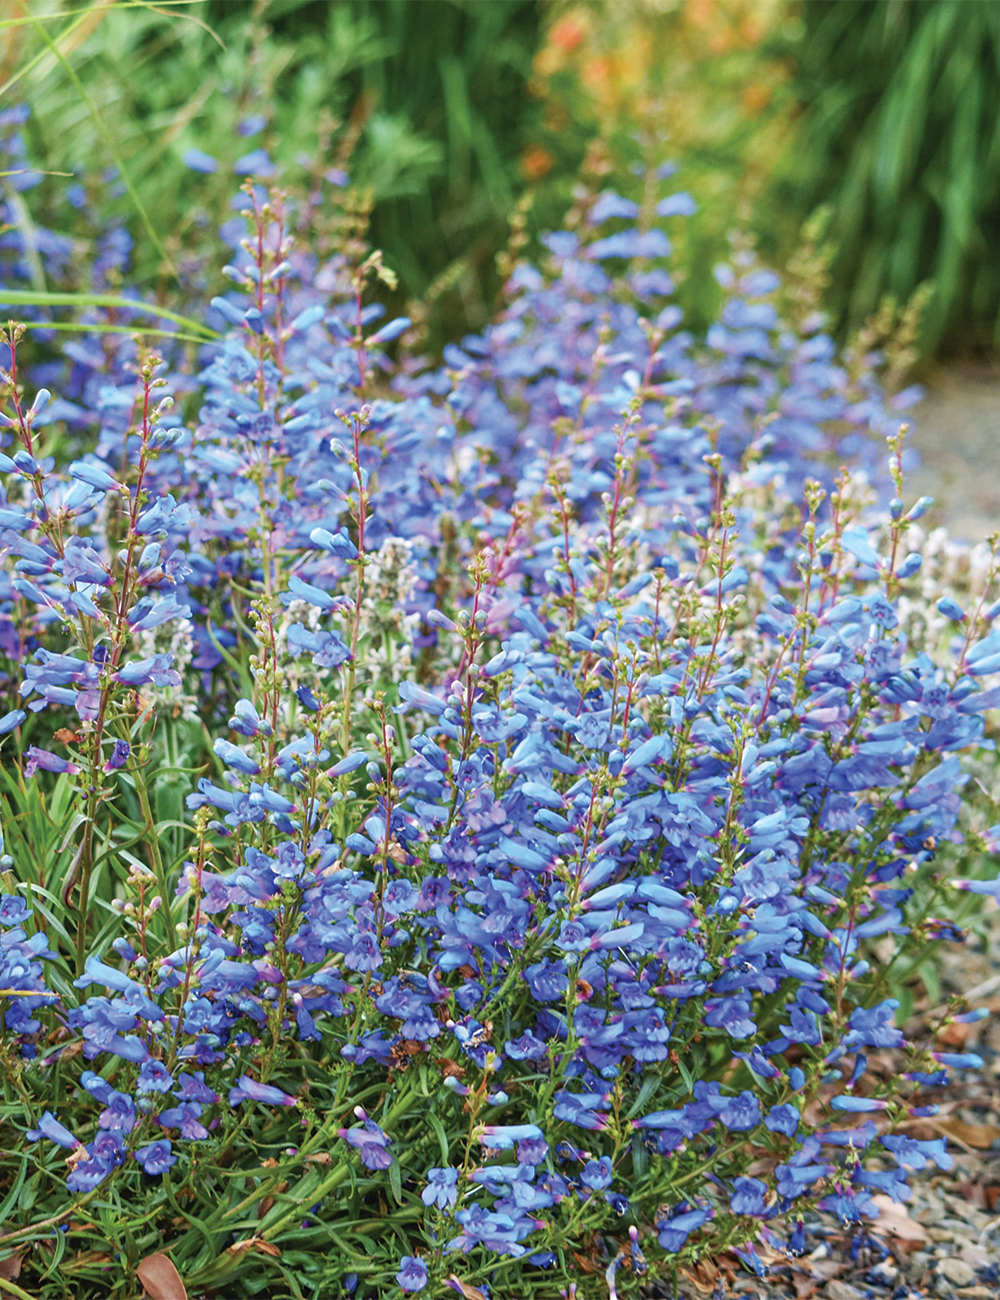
<point x="837" y="1290"/>
<point x="956" y="1271"/>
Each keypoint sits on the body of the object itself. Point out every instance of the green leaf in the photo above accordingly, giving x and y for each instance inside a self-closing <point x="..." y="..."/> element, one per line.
<point x="10" y="1200"/>
<point x="395" y="1183"/>
<point x="42" y="298"/>
<point x="442" y="1136"/>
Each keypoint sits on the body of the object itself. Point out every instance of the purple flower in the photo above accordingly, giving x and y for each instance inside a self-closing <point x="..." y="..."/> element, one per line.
<point x="48" y="762"/>
<point x="185" y="1117"/>
<point x="263" y="1092"/>
<point x="597" y="1174"/>
<point x="783" y="1119"/>
<point x="371" y="1142"/>
<point x="501" y="1137"/>
<point x="412" y="1275"/>
<point x="199" y="161"/>
<point x="673" y="1233"/>
<point x="49" y="1127"/>
<point x="442" y="1188"/>
<point x="749" y="1197"/>
<point x="120" y="751"/>
<point x="365" y="954"/>
<point x="154" y="1077"/>
<point x="156" y="1157"/>
<point x="13" y="910"/>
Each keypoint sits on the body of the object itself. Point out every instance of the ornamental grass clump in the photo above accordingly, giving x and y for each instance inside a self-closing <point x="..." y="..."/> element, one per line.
<point x="481" y="787"/>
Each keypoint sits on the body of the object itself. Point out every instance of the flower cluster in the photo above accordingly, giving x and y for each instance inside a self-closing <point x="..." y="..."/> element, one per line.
<point x="567" y="750"/>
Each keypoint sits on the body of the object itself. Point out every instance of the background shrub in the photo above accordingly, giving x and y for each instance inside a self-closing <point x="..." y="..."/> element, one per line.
<point x="455" y="804"/>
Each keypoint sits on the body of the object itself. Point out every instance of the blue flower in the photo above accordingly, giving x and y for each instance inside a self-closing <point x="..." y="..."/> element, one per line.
<point x="749" y="1197"/>
<point x="783" y="1119"/>
<point x="156" y="1157"/>
<point x="13" y="910"/>
<point x="912" y="1153"/>
<point x="371" y="1142"/>
<point x="199" y="161"/>
<point x="49" y="1127"/>
<point x="154" y="1077"/>
<point x="597" y="1174"/>
<point x="412" y="1275"/>
<point x="673" y="1233"/>
<point x="442" y="1188"/>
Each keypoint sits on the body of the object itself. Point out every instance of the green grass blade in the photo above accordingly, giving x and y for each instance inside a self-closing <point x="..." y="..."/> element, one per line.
<point x="109" y="141"/>
<point x="36" y="298"/>
<point x="113" y="329"/>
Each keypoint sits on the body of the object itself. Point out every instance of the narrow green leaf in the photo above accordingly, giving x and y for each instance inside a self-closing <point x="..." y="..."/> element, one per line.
<point x="395" y="1183"/>
<point x="442" y="1136"/>
<point x="109" y="141"/>
<point x="44" y="298"/>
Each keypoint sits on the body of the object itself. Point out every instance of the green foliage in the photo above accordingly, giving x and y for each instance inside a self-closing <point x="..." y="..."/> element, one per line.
<point x="424" y="105"/>
<point x="900" y="135"/>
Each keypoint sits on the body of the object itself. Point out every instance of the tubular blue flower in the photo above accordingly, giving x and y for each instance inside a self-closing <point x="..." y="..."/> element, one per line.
<point x="49" y="1127"/>
<point x="233" y="756"/>
<point x="156" y="1157"/>
<point x="44" y="760"/>
<point x="749" y="1197"/>
<point x="199" y="161"/>
<point x="154" y="1077"/>
<point x="874" y="1027"/>
<point x="783" y="1119"/>
<point x="857" y="1105"/>
<point x="442" y="1188"/>
<point x="412" y="1275"/>
<point x="247" y="1088"/>
<point x="959" y="1060"/>
<point x="371" y="1142"/>
<point x="911" y="1153"/>
<point x="597" y="1174"/>
<point x="120" y="751"/>
<point x="11" y="720"/>
<point x="185" y="1117"/>
<point x="673" y="1233"/>
<point x="951" y="609"/>
<point x="501" y="1137"/>
<point x="338" y="544"/>
<point x="94" y="475"/>
<point x="13" y="910"/>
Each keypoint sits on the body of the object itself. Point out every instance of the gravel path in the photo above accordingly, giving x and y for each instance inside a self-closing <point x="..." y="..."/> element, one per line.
<point x="956" y="429"/>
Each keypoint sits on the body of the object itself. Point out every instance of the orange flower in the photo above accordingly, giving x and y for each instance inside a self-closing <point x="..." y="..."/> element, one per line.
<point x="536" y="161"/>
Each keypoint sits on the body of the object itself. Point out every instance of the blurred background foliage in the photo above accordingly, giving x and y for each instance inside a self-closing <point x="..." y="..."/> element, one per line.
<point x="880" y="119"/>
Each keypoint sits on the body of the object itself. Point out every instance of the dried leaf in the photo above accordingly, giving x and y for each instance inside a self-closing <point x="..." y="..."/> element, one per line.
<point x="703" y="1276"/>
<point x="586" y="1265"/>
<point x="463" y="1288"/>
<point x="895" y="1221"/>
<point x="805" y="1286"/>
<point x="10" y="1268"/>
<point x="823" y="1270"/>
<point x="160" y="1279"/>
<point x="254" y="1243"/>
<point x="980" y="1136"/>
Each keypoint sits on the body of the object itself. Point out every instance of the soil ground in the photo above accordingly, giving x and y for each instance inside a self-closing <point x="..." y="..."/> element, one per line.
<point x="956" y="430"/>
